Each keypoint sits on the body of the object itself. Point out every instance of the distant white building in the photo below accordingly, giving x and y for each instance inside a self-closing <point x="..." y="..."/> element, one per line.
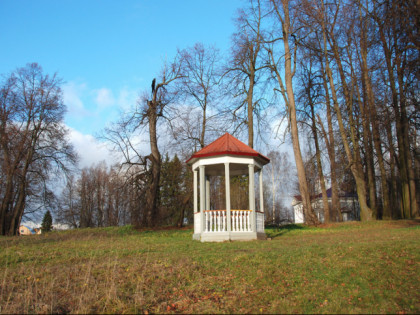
<point x="349" y="206"/>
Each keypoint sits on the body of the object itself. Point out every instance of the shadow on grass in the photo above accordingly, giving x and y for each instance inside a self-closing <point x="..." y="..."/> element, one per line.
<point x="276" y="231"/>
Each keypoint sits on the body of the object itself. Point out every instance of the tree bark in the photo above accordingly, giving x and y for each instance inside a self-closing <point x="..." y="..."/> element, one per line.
<point x="309" y="214"/>
<point x="409" y="203"/>
<point x="309" y="85"/>
<point x="155" y="159"/>
<point x="330" y="143"/>
<point x="319" y="165"/>
<point x="367" y="144"/>
<point x="386" y="211"/>
<point x="395" y="212"/>
<point x="354" y="162"/>
<point x="250" y="107"/>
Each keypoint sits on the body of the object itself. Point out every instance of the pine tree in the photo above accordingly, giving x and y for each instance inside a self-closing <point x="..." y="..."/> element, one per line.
<point x="46" y="225"/>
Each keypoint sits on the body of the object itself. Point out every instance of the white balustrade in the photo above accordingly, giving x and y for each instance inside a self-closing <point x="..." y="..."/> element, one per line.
<point x="216" y="221"/>
<point x="223" y="220"/>
<point x="240" y="220"/>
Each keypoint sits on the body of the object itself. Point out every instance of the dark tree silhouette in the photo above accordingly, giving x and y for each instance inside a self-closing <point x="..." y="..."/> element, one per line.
<point x="46" y="225"/>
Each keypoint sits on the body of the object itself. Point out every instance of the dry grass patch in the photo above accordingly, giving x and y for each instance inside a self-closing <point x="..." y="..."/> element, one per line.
<point x="341" y="268"/>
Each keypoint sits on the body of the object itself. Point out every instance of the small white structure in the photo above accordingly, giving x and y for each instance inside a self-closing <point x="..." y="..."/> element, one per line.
<point x="227" y="156"/>
<point x="349" y="206"/>
<point x="298" y="211"/>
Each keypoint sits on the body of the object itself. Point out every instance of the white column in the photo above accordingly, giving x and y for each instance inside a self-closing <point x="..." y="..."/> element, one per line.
<point x="261" y="195"/>
<point x="202" y="196"/>
<point x="227" y="186"/>
<point x="252" y="198"/>
<point x="195" y="187"/>
<point x="261" y="191"/>
<point x="207" y="193"/>
<point x="195" y="192"/>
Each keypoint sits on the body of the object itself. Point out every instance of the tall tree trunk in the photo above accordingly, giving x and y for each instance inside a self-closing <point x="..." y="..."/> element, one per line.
<point x="367" y="144"/>
<point x="155" y="159"/>
<point x="395" y="206"/>
<point x="321" y="178"/>
<point x="309" y="214"/>
<point x="273" y="194"/>
<point x="398" y="103"/>
<point x="204" y="124"/>
<point x="19" y="207"/>
<point x="6" y="203"/>
<point x="365" y="212"/>
<point x="417" y="169"/>
<point x="250" y="107"/>
<point x="405" y="146"/>
<point x="330" y="143"/>
<point x="154" y="110"/>
<point x="319" y="162"/>
<point x="386" y="210"/>
<point x="355" y="160"/>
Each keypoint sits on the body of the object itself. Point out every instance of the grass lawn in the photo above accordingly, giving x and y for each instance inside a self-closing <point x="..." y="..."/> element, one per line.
<point x="341" y="268"/>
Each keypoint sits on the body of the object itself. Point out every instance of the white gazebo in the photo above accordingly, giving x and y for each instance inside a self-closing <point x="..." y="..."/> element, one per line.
<point x="227" y="156"/>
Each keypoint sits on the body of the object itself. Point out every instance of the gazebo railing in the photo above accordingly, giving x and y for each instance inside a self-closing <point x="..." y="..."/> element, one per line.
<point x="216" y="221"/>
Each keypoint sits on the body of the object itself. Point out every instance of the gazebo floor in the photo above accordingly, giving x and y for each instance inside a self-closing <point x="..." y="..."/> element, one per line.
<point x="229" y="236"/>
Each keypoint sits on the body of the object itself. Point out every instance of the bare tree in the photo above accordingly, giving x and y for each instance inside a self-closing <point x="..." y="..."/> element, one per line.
<point x="285" y="35"/>
<point x="398" y="28"/>
<point x="68" y="211"/>
<point x="371" y="107"/>
<point x="199" y="89"/>
<point x="309" y="95"/>
<point x="32" y="139"/>
<point x="100" y="196"/>
<point x="152" y="110"/>
<point x="328" y="26"/>
<point x="124" y="135"/>
<point x="330" y="144"/>
<point x="245" y="69"/>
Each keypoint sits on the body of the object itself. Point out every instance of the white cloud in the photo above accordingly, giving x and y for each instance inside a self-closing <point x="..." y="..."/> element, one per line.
<point x="127" y="98"/>
<point x="104" y="98"/>
<point x="72" y="93"/>
<point x="90" y="150"/>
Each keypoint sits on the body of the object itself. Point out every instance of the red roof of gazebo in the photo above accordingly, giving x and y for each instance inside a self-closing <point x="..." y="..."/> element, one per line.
<point x="228" y="145"/>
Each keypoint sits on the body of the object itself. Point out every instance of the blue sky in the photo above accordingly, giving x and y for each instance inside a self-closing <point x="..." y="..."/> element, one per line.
<point x="107" y="52"/>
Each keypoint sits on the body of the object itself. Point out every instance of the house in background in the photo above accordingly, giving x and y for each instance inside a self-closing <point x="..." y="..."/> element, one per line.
<point x="349" y="206"/>
<point x="24" y="230"/>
